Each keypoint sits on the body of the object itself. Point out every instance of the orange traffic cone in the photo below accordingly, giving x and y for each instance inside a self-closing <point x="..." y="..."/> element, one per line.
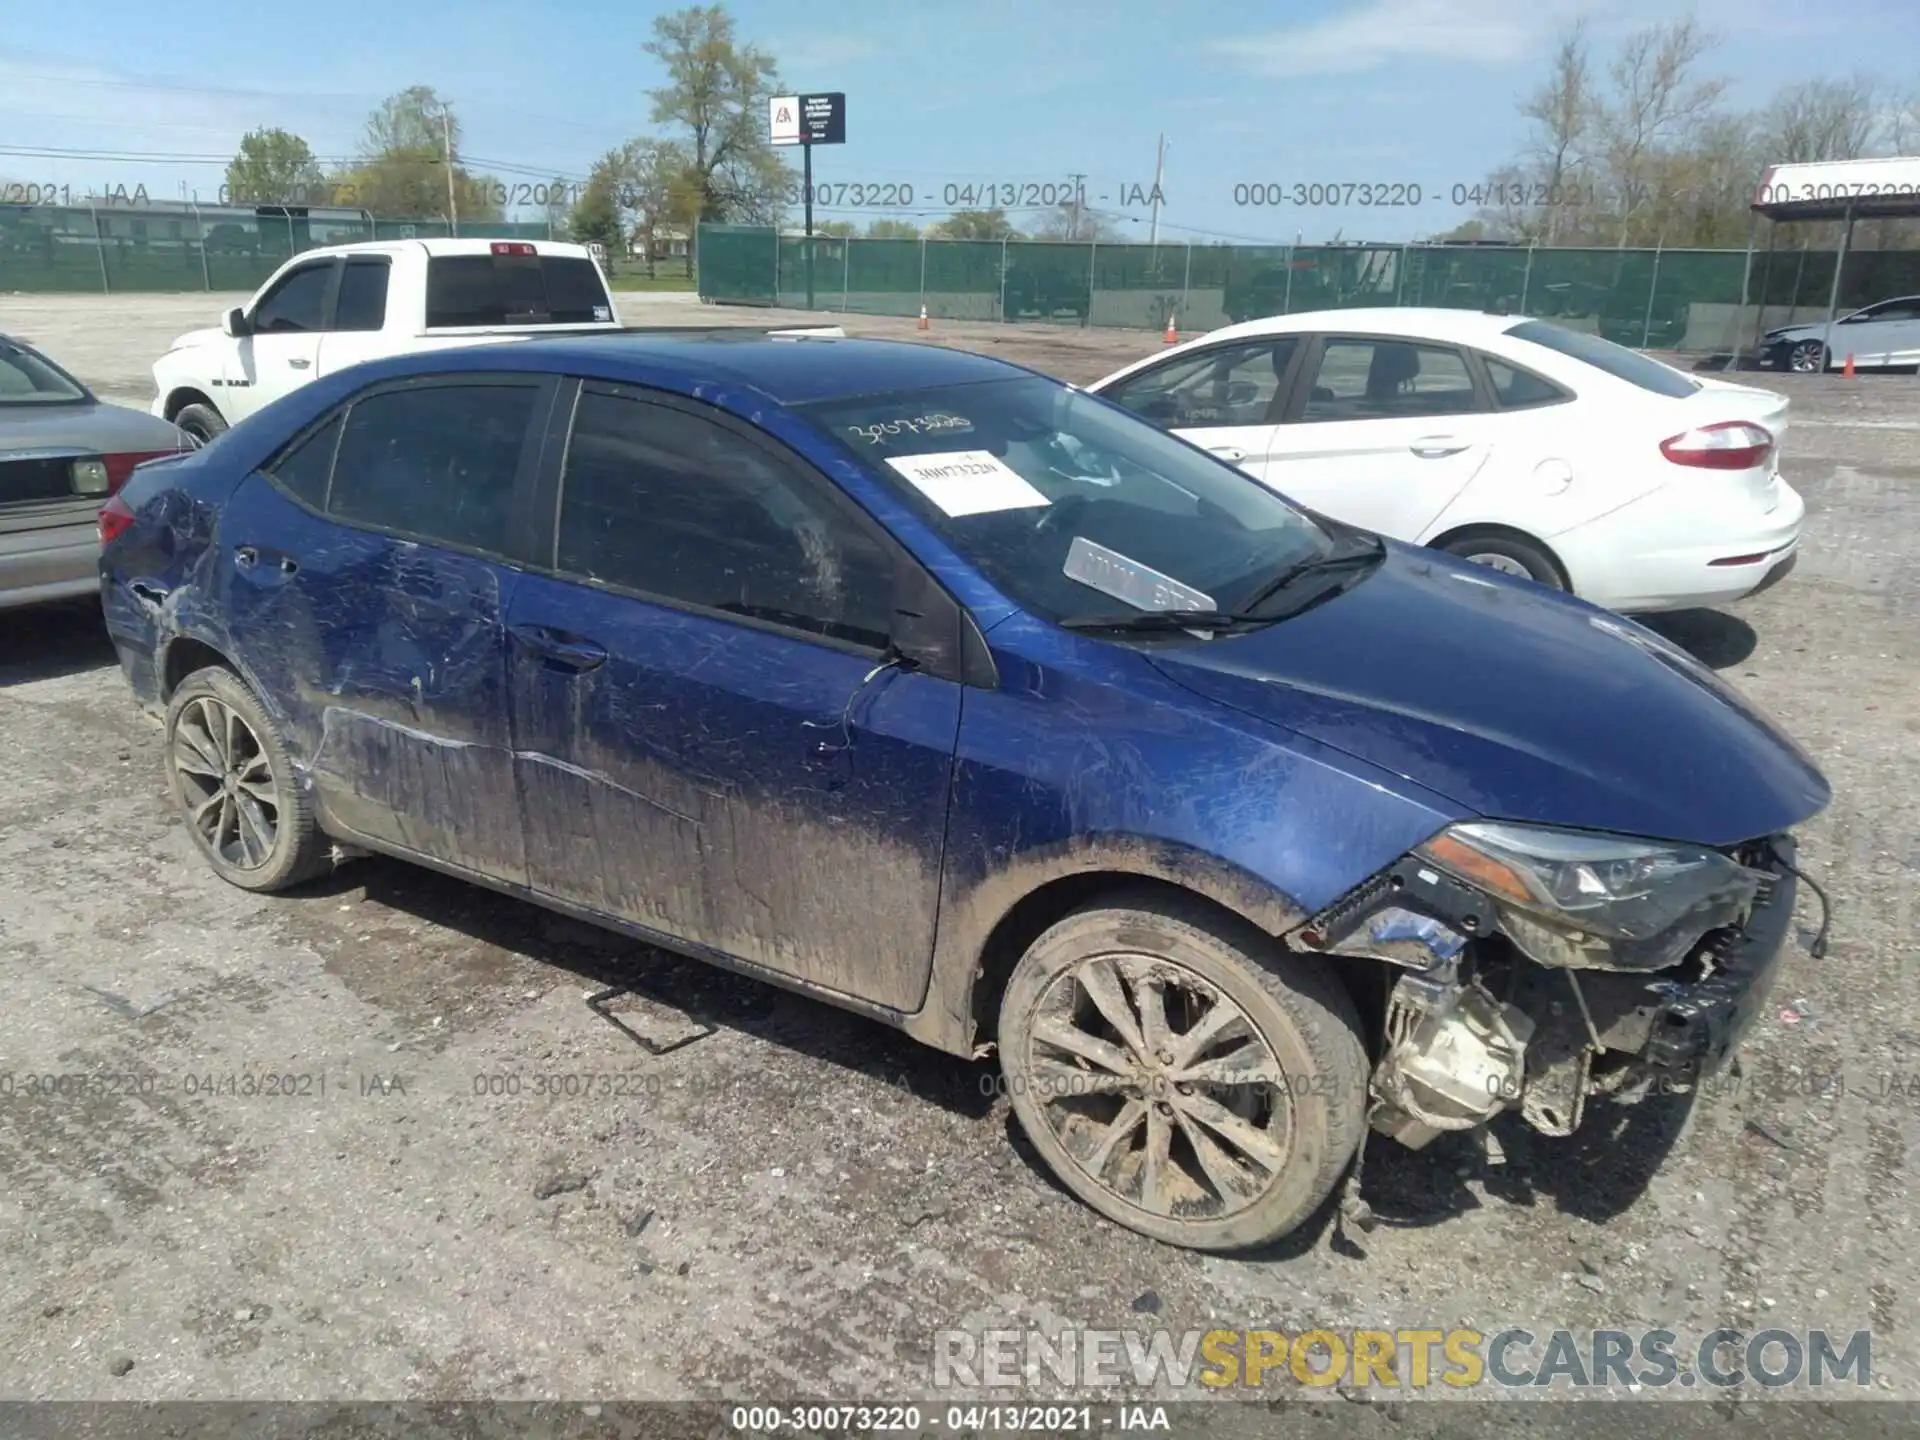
<point x="1846" y="370"/>
<point x="1172" y="337"/>
<point x="923" y="319"/>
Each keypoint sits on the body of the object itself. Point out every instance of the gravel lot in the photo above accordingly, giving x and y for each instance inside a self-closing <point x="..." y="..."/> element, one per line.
<point x="792" y="1202"/>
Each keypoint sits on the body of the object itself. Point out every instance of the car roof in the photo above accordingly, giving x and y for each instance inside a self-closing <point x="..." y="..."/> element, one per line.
<point x="1415" y="321"/>
<point x="789" y="370"/>
<point x="435" y="246"/>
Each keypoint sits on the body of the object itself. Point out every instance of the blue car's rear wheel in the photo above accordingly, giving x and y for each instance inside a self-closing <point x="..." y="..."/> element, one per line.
<point x="1181" y="1074"/>
<point x="235" y="786"/>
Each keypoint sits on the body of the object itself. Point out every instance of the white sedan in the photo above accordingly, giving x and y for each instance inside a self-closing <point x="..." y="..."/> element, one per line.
<point x="1520" y="444"/>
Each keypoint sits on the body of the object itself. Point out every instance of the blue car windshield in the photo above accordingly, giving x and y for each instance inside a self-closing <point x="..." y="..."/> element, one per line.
<point x="1070" y="505"/>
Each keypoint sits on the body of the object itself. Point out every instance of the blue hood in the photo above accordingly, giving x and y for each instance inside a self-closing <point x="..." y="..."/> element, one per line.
<point x="1516" y="702"/>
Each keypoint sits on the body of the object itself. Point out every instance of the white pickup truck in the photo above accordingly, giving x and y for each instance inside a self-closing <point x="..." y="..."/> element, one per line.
<point x="329" y="308"/>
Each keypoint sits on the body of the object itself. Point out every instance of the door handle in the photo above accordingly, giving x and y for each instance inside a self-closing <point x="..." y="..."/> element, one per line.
<point x="245" y="556"/>
<point x="299" y="363"/>
<point x="571" y="651"/>
<point x="1231" y="454"/>
<point x="1435" y="447"/>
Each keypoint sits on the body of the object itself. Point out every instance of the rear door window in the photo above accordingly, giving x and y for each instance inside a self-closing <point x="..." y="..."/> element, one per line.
<point x="363" y="295"/>
<point x="514" y="289"/>
<point x="1381" y="379"/>
<point x="1616" y="360"/>
<point x="308" y="465"/>
<point x="438" y="462"/>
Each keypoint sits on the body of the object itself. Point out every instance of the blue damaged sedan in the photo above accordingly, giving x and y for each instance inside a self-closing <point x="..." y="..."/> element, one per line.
<point x="953" y="695"/>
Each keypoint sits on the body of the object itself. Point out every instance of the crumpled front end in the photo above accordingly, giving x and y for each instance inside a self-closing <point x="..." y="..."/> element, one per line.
<point x="1503" y="1003"/>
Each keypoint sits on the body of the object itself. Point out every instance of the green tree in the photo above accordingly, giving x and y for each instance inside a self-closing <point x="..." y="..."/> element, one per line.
<point x="639" y="191"/>
<point x="716" y="95"/>
<point x="272" y="167"/>
<point x="837" y="229"/>
<point x="595" y="217"/>
<point x="893" y="230"/>
<point x="976" y="225"/>
<point x="411" y="142"/>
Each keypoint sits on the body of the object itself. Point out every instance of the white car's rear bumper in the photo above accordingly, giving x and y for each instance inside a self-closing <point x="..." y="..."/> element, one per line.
<point x="1668" y="552"/>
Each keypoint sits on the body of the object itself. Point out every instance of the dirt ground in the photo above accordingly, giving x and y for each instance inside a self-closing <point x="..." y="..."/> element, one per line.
<point x="791" y="1202"/>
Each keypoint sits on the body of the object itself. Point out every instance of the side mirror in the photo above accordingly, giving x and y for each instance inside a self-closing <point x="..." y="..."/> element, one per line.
<point x="234" y="323"/>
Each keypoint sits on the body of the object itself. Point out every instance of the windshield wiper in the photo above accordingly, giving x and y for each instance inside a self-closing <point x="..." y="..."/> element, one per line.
<point x="1162" y="620"/>
<point x="1317" y="565"/>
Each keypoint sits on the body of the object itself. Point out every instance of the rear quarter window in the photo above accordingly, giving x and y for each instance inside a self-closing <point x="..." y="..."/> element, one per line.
<point x="1518" y="389"/>
<point x="1615" y="360"/>
<point x="467" y="290"/>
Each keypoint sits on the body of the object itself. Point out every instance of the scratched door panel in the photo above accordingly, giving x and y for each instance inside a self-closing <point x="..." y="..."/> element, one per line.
<point x="699" y="781"/>
<point x="386" y="658"/>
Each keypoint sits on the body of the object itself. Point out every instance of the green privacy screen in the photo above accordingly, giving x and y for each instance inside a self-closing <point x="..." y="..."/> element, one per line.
<point x="1663" y="299"/>
<point x="1674" y="299"/>
<point x="111" y="249"/>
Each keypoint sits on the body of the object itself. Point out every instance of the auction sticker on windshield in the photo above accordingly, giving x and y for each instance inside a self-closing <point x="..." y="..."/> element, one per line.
<point x="967" y="482"/>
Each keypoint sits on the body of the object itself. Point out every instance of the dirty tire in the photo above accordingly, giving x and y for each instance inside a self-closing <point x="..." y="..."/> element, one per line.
<point x="1808" y="357"/>
<point x="258" y="831"/>
<point x="1238" y="1164"/>
<point x="1510" y="555"/>
<point x="201" y="422"/>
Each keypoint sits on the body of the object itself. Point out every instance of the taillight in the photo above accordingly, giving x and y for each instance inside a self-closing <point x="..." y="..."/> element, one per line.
<point x="513" y="247"/>
<point x="1730" y="445"/>
<point x="115" y="517"/>
<point x="105" y="474"/>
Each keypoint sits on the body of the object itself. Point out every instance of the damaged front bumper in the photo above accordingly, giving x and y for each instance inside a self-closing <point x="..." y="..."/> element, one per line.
<point x="1475" y="1027"/>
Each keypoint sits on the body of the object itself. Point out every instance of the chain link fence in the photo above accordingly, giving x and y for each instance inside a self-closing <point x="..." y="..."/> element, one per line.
<point x="168" y="246"/>
<point x="1698" y="301"/>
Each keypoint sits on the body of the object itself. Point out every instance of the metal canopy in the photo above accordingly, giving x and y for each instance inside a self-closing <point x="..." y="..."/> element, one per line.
<point x="1841" y="190"/>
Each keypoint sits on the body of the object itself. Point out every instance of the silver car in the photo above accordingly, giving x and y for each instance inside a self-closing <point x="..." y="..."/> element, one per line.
<point x="1881" y="337"/>
<point x="62" y="453"/>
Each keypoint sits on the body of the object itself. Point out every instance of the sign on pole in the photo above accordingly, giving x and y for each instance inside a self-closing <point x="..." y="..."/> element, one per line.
<point x="808" y="119"/>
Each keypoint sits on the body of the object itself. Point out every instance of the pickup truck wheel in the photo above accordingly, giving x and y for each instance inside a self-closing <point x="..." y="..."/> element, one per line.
<point x="1181" y="1074"/>
<point x="200" y="423"/>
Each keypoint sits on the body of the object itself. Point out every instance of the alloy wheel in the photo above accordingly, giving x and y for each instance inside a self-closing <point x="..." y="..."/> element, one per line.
<point x="227" y="783"/>
<point x="1505" y="564"/>
<point x="1159" y="1087"/>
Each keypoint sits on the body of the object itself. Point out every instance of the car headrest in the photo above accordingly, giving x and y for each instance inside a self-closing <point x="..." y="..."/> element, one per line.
<point x="1393" y="365"/>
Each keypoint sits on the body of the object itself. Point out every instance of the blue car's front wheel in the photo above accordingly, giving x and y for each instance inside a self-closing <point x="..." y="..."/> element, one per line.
<point x="1180" y="1073"/>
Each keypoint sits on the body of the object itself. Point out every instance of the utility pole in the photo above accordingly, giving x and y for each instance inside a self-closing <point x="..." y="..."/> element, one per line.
<point x="1159" y="174"/>
<point x="446" y="139"/>
<point x="1073" y="205"/>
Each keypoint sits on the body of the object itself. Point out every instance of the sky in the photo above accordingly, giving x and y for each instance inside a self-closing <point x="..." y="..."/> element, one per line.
<point x="1253" y="99"/>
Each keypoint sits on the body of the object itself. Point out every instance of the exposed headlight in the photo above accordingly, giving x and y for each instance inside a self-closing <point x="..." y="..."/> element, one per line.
<point x="1597" y="902"/>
